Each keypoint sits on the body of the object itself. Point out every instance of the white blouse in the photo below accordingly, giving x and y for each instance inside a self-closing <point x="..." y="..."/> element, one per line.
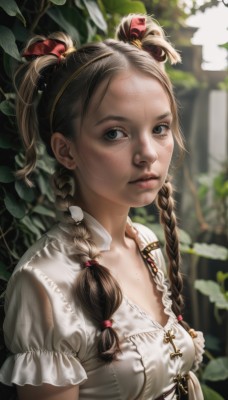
<point x="52" y="340"/>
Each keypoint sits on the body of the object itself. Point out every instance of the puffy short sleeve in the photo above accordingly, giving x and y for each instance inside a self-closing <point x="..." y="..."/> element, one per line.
<point x="199" y="344"/>
<point x="44" y="334"/>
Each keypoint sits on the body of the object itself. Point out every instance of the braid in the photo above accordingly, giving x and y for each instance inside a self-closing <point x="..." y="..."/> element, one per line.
<point x="62" y="181"/>
<point x="97" y="290"/>
<point x="101" y="296"/>
<point x="165" y="203"/>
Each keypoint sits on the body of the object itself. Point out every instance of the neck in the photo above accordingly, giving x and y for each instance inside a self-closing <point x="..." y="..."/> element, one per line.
<point x="113" y="219"/>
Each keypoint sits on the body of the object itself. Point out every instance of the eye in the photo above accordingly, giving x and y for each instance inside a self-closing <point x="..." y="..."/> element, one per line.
<point x="114" y="134"/>
<point x="161" y="129"/>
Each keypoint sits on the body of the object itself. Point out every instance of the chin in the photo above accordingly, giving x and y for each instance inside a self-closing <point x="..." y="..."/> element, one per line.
<point x="145" y="202"/>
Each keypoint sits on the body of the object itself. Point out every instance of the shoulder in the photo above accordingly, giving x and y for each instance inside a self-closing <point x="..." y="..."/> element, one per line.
<point x="52" y="251"/>
<point x="49" y="263"/>
<point x="145" y="237"/>
<point x="145" y="232"/>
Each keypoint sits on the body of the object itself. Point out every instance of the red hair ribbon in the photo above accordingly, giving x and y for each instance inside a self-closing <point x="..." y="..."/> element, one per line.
<point x="179" y="318"/>
<point x="107" y="323"/>
<point x="137" y="27"/>
<point x="89" y="263"/>
<point x="45" y="47"/>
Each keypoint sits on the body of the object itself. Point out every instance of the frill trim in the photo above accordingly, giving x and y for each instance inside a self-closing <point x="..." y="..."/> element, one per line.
<point x="199" y="344"/>
<point x="159" y="278"/>
<point x="36" y="367"/>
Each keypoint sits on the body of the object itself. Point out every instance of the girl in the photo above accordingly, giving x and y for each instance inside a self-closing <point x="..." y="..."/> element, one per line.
<point x="90" y="311"/>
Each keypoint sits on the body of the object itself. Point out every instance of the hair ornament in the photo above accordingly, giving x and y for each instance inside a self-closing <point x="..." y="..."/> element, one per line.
<point x="46" y="47"/>
<point x="192" y="333"/>
<point x="77" y="214"/>
<point x="137" y="28"/>
<point x="179" y="318"/>
<point x="90" y="263"/>
<point x="137" y="43"/>
<point x="107" y="323"/>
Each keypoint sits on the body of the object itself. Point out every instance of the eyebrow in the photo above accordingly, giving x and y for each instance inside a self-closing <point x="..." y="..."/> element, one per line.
<point x="120" y="118"/>
<point x="110" y="117"/>
<point x="165" y="115"/>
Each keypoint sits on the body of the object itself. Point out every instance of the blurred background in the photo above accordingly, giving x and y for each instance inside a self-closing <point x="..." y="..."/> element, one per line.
<point x="199" y="30"/>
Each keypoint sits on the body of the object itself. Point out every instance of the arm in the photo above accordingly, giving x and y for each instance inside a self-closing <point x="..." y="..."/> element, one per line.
<point x="48" y="392"/>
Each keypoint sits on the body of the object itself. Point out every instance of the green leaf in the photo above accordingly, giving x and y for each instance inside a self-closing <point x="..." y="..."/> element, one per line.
<point x="7" y="108"/>
<point x="210" y="394"/>
<point x="15" y="206"/>
<point x="56" y="15"/>
<point x="213" y="291"/>
<point x="75" y="18"/>
<point x="212" y="251"/>
<point x="185" y="237"/>
<point x="124" y="7"/>
<point x="26" y="221"/>
<point x="44" y="211"/>
<point x="95" y="14"/>
<point x="7" y="42"/>
<point x="24" y="191"/>
<point x="224" y="45"/>
<point x="212" y="343"/>
<point x="11" y="8"/>
<point x="6" y="175"/>
<point x="216" y="370"/>
<point x="4" y="274"/>
<point x="58" y="2"/>
<point x="36" y="221"/>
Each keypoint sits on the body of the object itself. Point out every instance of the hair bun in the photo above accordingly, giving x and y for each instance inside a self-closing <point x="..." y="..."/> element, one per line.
<point x="157" y="52"/>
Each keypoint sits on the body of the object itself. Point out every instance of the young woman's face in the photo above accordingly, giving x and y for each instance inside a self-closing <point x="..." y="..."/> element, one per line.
<point x="125" y="143"/>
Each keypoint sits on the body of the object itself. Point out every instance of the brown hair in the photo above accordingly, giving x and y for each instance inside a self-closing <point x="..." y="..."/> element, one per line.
<point x="97" y="290"/>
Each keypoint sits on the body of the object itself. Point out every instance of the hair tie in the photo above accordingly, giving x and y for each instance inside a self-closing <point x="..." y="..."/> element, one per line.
<point x="90" y="263"/>
<point x="46" y="47"/>
<point x="137" y="43"/>
<point x="179" y="318"/>
<point x="107" y="323"/>
<point x="77" y="214"/>
<point x="137" y="28"/>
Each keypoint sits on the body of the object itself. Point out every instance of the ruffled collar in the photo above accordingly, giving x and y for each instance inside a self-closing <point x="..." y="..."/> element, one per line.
<point x="100" y="235"/>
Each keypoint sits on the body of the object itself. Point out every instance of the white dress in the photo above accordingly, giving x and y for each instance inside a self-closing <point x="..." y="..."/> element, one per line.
<point x="51" y="340"/>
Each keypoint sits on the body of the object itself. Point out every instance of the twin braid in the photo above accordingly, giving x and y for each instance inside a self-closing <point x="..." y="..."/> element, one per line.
<point x="96" y="289"/>
<point x="165" y="203"/>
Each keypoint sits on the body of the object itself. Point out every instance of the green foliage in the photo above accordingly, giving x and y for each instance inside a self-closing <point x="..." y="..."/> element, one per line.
<point x="216" y="370"/>
<point x="213" y="196"/>
<point x="214" y="291"/>
<point x="210" y="394"/>
<point x="183" y="79"/>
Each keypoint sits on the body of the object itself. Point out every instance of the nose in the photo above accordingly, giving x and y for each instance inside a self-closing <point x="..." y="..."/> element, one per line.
<point x="145" y="150"/>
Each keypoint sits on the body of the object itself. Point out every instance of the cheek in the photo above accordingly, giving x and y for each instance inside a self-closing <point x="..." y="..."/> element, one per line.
<point x="168" y="151"/>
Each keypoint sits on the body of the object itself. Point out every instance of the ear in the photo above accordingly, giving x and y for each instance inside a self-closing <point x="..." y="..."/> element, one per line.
<point x="64" y="150"/>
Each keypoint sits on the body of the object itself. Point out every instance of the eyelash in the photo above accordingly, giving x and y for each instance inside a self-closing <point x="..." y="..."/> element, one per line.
<point x="165" y="126"/>
<point x="114" y="130"/>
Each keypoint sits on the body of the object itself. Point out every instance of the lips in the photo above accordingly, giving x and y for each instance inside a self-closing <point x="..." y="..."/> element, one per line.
<point x="145" y="178"/>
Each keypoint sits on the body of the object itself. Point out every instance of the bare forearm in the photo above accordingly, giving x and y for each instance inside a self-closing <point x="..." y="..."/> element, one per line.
<point x="48" y="392"/>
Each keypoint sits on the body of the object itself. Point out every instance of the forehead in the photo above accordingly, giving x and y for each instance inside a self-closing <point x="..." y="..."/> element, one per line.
<point x="128" y="90"/>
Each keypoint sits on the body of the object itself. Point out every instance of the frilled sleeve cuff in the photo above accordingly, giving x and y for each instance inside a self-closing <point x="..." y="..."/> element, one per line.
<point x="41" y="366"/>
<point x="194" y="388"/>
<point x="199" y="344"/>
